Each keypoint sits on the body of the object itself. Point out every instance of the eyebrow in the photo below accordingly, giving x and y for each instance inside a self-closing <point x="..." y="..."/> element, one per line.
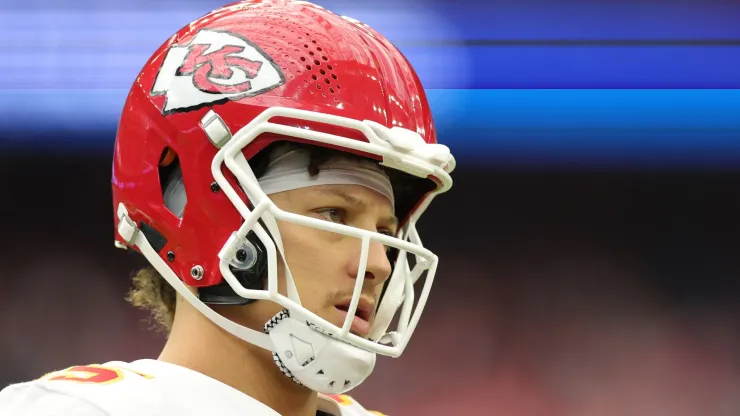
<point x="352" y="200"/>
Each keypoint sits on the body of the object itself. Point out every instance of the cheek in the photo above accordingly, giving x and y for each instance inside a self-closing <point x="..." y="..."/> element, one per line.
<point x="303" y="252"/>
<point x="378" y="291"/>
<point x="310" y="249"/>
<point x="306" y="256"/>
<point x="312" y="263"/>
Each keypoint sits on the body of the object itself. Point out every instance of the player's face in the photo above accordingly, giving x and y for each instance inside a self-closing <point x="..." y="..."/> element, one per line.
<point x="324" y="264"/>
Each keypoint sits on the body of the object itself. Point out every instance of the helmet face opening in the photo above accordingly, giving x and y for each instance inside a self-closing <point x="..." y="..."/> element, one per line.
<point x="407" y="241"/>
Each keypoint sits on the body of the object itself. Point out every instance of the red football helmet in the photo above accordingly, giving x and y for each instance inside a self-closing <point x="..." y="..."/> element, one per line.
<point x="217" y="93"/>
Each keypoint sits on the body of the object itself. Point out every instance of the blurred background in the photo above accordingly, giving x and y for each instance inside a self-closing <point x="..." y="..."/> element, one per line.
<point x="589" y="249"/>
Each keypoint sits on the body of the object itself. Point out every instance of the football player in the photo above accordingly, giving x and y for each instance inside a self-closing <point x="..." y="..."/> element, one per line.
<point x="271" y="163"/>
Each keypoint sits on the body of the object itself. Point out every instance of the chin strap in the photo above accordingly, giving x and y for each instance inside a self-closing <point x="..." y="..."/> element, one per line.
<point x="316" y="359"/>
<point x="275" y="357"/>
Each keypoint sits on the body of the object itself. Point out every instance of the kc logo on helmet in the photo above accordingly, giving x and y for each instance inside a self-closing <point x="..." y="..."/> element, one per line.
<point x="215" y="67"/>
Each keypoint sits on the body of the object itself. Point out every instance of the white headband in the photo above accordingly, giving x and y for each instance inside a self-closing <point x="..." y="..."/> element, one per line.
<point x="290" y="171"/>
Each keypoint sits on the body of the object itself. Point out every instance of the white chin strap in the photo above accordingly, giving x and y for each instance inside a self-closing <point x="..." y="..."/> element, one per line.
<point x="316" y="359"/>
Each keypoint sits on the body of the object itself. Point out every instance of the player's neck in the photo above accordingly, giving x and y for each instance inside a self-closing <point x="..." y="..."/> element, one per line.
<point x="211" y="351"/>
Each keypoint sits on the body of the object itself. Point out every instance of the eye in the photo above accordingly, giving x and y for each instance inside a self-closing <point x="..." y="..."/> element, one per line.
<point x="386" y="231"/>
<point x="337" y="215"/>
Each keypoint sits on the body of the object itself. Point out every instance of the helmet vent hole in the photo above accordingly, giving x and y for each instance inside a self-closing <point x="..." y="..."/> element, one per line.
<point x="171" y="183"/>
<point x="311" y="59"/>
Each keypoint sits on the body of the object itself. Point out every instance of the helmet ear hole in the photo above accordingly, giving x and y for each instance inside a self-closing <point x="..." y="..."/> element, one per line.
<point x="251" y="277"/>
<point x="174" y="196"/>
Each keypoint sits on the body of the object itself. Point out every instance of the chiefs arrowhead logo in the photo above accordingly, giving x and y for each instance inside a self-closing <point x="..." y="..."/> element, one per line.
<point x="215" y="67"/>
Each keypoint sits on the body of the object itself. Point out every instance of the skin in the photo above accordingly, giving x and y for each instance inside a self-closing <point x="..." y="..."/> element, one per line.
<point x="324" y="266"/>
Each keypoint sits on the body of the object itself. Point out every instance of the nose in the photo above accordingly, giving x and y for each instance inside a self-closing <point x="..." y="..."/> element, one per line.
<point x="378" y="267"/>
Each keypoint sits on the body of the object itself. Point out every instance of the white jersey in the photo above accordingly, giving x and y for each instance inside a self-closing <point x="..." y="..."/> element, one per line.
<point x="143" y="388"/>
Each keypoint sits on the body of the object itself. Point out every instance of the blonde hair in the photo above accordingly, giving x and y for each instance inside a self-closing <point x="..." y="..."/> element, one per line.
<point x="152" y="293"/>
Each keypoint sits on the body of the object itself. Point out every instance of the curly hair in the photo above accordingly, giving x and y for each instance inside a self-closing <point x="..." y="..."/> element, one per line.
<point x="152" y="293"/>
<point x="150" y="290"/>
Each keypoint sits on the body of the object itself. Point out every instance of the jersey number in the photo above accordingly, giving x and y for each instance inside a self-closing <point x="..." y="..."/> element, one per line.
<point x="93" y="374"/>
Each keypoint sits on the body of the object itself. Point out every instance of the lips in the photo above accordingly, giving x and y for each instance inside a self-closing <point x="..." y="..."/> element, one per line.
<point x="363" y="315"/>
<point x="364" y="310"/>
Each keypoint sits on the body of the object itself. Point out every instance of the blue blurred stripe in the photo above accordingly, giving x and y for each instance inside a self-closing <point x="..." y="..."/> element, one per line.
<point x="48" y="110"/>
<point x="472" y="19"/>
<point x="500" y="126"/>
<point x="440" y="67"/>
<point x="566" y="67"/>
<point x="605" y="19"/>
<point x="104" y="47"/>
<point x="66" y="65"/>
<point x="588" y="109"/>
